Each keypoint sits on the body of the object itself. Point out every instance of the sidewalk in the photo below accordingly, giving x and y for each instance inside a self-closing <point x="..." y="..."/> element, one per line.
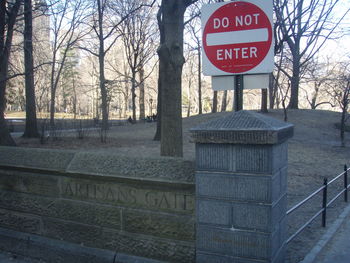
<point x="338" y="248"/>
<point x="334" y="246"/>
<point x="8" y="258"/>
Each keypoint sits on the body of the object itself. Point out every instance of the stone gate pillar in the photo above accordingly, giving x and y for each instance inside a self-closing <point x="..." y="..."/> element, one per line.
<point x="241" y="189"/>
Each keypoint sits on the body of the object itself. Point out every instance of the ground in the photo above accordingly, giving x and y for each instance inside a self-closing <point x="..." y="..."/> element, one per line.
<point x="314" y="153"/>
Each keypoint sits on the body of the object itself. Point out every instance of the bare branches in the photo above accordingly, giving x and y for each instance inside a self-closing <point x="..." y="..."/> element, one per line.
<point x="138" y="33"/>
<point x="88" y="50"/>
<point x="15" y="75"/>
<point x="305" y="25"/>
<point x="111" y="16"/>
<point x="313" y="21"/>
<point x="67" y="16"/>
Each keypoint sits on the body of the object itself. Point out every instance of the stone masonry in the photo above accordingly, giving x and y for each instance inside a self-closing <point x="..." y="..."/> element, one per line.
<point x="241" y="187"/>
<point x="66" y="206"/>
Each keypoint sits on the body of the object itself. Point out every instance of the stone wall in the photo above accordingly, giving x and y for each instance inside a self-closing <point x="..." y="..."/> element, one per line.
<point x="137" y="207"/>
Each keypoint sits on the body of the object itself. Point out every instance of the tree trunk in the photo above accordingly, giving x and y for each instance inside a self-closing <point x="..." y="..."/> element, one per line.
<point x="342" y="127"/>
<point x="264" y="100"/>
<point x="103" y="93"/>
<point x="75" y="99"/>
<point x="294" y="89"/>
<point x="224" y="101"/>
<point x="272" y="91"/>
<point x="101" y="60"/>
<point x="314" y="96"/>
<point x="344" y="107"/>
<point x="189" y="98"/>
<point x="31" y="129"/>
<point x="294" y="92"/>
<point x="170" y="53"/>
<point x="215" y="102"/>
<point x="97" y="103"/>
<point x="142" y="94"/>
<point x="6" y="33"/>
<point x="126" y="102"/>
<point x="133" y="95"/>
<point x="53" y="91"/>
<point x="126" y="94"/>
<point x="5" y="136"/>
<point x="52" y="108"/>
<point x="199" y="81"/>
<point x="158" y="133"/>
<point x="238" y="93"/>
<point x="159" y="106"/>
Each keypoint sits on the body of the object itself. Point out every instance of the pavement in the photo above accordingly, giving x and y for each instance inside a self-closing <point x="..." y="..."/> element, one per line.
<point x="9" y="258"/>
<point x="334" y="246"/>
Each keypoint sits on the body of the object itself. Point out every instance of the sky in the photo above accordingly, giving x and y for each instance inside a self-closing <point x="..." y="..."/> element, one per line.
<point x="340" y="48"/>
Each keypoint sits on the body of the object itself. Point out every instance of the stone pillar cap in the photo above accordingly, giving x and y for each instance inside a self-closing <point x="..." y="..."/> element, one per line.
<point x="243" y="127"/>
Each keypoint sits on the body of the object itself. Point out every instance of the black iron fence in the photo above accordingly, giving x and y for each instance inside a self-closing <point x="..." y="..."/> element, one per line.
<point x="325" y="202"/>
<point x="18" y="125"/>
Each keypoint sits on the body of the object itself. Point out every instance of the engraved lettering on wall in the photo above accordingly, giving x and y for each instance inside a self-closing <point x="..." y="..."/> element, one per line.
<point x="128" y="195"/>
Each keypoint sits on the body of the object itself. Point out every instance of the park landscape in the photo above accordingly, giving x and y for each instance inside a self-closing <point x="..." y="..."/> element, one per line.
<point x="116" y="63"/>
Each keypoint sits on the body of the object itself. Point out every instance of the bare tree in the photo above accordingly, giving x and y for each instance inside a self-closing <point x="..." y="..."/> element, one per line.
<point x="8" y="13"/>
<point x="70" y="82"/>
<point x="281" y="82"/>
<point x="317" y="75"/>
<point x="104" y="26"/>
<point x="31" y="129"/>
<point x="215" y="102"/>
<point x="224" y="101"/>
<point x="339" y="90"/>
<point x="171" y="60"/>
<point x="305" y="26"/>
<point x="20" y="65"/>
<point x="121" y="78"/>
<point x="66" y="17"/>
<point x="193" y="27"/>
<point x="215" y="93"/>
<point x="138" y="33"/>
<point x="187" y="77"/>
<point x="272" y="91"/>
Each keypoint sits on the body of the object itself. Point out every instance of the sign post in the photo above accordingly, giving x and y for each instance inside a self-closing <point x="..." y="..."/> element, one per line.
<point x="238" y="93"/>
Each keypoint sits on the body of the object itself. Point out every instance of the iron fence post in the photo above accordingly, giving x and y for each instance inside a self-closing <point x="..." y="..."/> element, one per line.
<point x="346" y="183"/>
<point x="324" y="202"/>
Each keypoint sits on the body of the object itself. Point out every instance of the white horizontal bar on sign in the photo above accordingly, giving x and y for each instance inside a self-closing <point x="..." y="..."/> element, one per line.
<point x="237" y="37"/>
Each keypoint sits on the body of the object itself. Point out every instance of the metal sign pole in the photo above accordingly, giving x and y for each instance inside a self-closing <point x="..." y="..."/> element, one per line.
<point x="238" y="93"/>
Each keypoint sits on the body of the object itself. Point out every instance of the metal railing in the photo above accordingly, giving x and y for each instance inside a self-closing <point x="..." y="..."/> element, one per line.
<point x="325" y="204"/>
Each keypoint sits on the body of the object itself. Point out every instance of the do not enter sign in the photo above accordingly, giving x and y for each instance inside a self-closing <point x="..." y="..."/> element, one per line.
<point x="237" y="37"/>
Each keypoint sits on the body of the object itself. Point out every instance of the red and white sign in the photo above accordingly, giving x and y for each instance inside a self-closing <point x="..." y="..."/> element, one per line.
<point x="237" y="37"/>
